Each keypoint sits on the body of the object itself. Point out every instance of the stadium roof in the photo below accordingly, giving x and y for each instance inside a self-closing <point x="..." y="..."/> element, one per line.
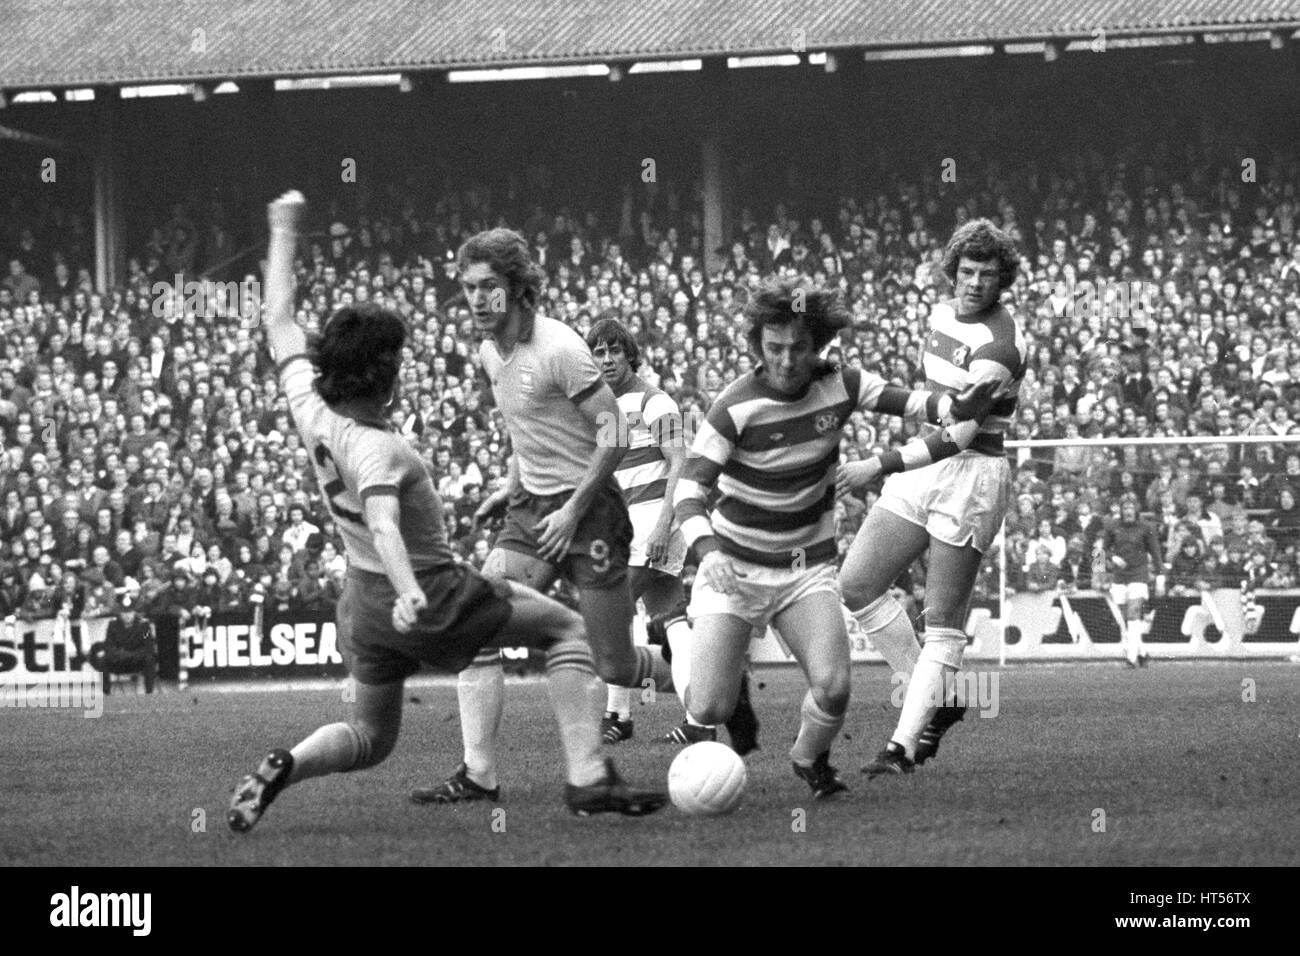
<point x="48" y="44"/>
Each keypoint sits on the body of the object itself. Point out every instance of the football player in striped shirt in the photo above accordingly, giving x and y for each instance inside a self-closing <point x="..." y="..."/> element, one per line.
<point x="406" y="600"/>
<point x="954" y="509"/>
<point x="565" y="513"/>
<point x="770" y="444"/>
<point x="651" y="430"/>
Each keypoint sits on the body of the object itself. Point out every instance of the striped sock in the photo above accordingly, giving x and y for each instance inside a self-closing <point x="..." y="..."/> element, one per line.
<point x="574" y="690"/>
<point x="651" y="666"/>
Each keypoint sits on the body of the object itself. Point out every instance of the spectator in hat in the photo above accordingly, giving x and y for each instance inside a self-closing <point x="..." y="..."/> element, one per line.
<point x="129" y="647"/>
<point x="41" y="602"/>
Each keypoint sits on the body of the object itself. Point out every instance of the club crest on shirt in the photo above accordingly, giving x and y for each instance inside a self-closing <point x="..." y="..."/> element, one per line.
<point x="526" y="378"/>
<point x="826" y="422"/>
<point x="959" y="356"/>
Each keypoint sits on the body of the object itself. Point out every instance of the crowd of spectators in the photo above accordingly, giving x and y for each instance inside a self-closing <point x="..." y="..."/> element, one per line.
<point x="149" y="450"/>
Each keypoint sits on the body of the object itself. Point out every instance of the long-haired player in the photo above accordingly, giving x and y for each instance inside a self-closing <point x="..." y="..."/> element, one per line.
<point x="565" y="514"/>
<point x="954" y="509"/>
<point x="770" y="446"/>
<point x="406" y="599"/>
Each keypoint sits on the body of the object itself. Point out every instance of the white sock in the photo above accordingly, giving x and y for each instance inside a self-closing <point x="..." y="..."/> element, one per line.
<point x="679" y="642"/>
<point x="885" y="622"/>
<point x="481" y="691"/>
<point x="933" y="683"/>
<point x="618" y="700"/>
<point x="334" y="748"/>
<point x="574" y="689"/>
<point x="1134" y="640"/>
<point x="817" y="731"/>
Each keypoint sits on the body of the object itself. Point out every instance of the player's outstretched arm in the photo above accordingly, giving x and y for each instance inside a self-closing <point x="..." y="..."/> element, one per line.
<point x="917" y="453"/>
<point x="970" y="405"/>
<point x="874" y="394"/>
<point x="285" y="217"/>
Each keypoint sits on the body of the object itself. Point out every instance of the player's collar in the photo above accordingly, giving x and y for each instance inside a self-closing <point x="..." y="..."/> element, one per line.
<point x="630" y="385"/>
<point x="371" y="420"/>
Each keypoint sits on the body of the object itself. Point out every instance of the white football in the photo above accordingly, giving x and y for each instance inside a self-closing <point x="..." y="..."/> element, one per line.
<point x="707" y="779"/>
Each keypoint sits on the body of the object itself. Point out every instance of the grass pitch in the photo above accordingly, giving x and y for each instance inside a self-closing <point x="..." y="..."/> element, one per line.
<point x="1185" y="770"/>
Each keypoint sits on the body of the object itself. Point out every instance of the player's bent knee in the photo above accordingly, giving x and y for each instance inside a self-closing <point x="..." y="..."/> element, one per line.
<point x="831" y="690"/>
<point x="944" y="645"/>
<point x="859" y="593"/>
<point x="374" y="743"/>
<point x="620" y="673"/>
<point x="565" y="627"/>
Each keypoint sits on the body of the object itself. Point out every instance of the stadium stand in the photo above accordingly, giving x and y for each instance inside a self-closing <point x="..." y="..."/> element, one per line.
<point x="146" y="446"/>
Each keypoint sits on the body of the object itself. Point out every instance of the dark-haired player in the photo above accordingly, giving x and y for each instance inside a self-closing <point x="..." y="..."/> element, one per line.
<point x="651" y="430"/>
<point x="1135" y="558"/>
<point x="770" y="444"/>
<point x="405" y="599"/>
<point x="565" y="513"/>
<point x="955" y="509"/>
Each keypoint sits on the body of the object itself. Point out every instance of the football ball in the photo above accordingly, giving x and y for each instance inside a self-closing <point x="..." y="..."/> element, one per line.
<point x="707" y="779"/>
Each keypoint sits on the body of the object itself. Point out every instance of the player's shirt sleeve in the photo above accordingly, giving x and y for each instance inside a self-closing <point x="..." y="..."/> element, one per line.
<point x="381" y="469"/>
<point x="871" y="393"/>
<point x="298" y="382"/>
<point x="999" y="360"/>
<point x="574" y="371"/>
<point x="712" y="448"/>
<point x="664" y="420"/>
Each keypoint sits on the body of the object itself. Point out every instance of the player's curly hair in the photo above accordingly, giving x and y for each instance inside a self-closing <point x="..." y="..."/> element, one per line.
<point x="611" y="331"/>
<point x="980" y="240"/>
<point x="506" y="251"/>
<point x="358" y="354"/>
<point x="782" y="301"/>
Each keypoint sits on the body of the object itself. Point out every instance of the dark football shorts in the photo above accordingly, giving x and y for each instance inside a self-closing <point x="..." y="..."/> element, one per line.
<point x="465" y="612"/>
<point x="598" y="555"/>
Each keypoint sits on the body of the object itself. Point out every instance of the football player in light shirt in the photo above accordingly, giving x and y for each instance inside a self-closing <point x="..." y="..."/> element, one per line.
<point x="406" y="599"/>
